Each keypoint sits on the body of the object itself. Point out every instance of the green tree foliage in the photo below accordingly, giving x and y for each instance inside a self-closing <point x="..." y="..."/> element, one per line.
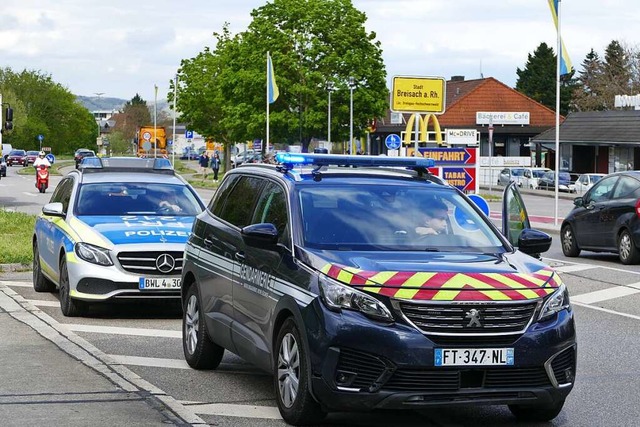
<point x="586" y="95"/>
<point x="222" y="91"/>
<point x="538" y="79"/>
<point x="47" y="108"/>
<point x="135" y="113"/>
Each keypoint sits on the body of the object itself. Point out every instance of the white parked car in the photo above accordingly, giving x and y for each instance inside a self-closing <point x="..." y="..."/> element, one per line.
<point x="586" y="181"/>
<point x="531" y="176"/>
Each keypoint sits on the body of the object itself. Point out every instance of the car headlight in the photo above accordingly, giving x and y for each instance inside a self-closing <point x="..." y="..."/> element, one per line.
<point x="93" y="254"/>
<point x="557" y="302"/>
<point x="337" y="296"/>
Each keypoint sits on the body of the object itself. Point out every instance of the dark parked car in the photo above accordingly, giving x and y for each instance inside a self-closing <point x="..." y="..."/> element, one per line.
<point x="606" y="219"/>
<point x="326" y="276"/>
<point x="30" y="157"/>
<point x="16" y="157"/>
<point x="81" y="154"/>
<point x="547" y="182"/>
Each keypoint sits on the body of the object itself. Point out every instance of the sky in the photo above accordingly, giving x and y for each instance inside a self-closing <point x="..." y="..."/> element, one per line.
<point x="118" y="48"/>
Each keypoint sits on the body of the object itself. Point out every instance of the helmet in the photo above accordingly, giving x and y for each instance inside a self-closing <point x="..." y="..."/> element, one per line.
<point x="41" y="154"/>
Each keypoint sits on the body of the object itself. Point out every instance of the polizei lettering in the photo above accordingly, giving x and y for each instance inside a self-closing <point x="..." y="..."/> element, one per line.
<point x="146" y="233"/>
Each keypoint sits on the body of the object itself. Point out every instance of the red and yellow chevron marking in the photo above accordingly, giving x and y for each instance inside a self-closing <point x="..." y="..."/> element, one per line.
<point x="449" y="286"/>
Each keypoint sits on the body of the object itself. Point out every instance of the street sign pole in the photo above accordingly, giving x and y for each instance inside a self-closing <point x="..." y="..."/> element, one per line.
<point x="490" y="152"/>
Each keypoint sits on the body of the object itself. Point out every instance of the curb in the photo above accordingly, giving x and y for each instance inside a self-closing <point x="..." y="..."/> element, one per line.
<point x="13" y="267"/>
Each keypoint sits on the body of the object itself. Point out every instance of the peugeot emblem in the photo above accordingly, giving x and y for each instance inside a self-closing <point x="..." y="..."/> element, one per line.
<point x="474" y="316"/>
<point x="165" y="263"/>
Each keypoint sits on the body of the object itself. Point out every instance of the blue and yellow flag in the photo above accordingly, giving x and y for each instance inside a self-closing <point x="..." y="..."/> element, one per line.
<point x="565" y="61"/>
<point x="272" y="87"/>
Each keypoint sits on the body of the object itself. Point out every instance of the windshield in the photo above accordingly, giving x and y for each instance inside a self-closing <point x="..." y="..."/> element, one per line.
<point x="517" y="172"/>
<point x="538" y="173"/>
<point x="391" y="217"/>
<point x="128" y="198"/>
<point x="17" y="153"/>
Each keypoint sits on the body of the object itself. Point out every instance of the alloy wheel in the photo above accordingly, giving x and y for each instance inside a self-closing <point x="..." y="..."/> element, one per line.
<point x="625" y="246"/>
<point x="567" y="239"/>
<point x="288" y="370"/>
<point x="192" y="325"/>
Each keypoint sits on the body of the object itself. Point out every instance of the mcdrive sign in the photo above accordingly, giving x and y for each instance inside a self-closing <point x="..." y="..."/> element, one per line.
<point x="458" y="166"/>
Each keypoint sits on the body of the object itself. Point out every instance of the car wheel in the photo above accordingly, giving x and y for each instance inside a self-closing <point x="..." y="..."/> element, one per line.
<point x="543" y="412"/>
<point x="291" y="378"/>
<point x="627" y="250"/>
<point x="40" y="283"/>
<point x="568" y="242"/>
<point x="69" y="306"/>
<point x="199" y="351"/>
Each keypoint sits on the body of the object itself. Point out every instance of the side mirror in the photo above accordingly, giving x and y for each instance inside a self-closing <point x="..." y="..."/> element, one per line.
<point x="264" y="236"/>
<point x="53" y="209"/>
<point x="533" y="242"/>
<point x="578" y="201"/>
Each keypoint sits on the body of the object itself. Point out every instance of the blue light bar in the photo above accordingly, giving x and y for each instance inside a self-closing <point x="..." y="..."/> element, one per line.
<point x="290" y="160"/>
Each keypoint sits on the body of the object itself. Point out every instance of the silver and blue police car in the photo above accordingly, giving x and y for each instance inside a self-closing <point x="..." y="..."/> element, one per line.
<point x="114" y="229"/>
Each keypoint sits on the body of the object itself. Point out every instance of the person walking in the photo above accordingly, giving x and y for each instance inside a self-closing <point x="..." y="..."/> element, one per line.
<point x="215" y="165"/>
<point x="203" y="161"/>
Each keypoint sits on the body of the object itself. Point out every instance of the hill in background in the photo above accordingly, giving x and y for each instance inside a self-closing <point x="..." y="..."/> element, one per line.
<point x="103" y="103"/>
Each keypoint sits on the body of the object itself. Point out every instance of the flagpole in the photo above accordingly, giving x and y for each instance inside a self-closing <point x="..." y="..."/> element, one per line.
<point x="557" y="157"/>
<point x="267" y="97"/>
<point x="155" y="123"/>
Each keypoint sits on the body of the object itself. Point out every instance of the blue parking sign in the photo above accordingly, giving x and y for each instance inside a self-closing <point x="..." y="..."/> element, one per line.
<point x="188" y="134"/>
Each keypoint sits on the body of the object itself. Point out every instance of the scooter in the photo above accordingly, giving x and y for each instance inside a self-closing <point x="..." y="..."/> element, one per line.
<point x="42" y="178"/>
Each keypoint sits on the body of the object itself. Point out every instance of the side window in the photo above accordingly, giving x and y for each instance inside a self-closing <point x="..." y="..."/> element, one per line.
<point x="62" y="193"/>
<point x="527" y="174"/>
<point x="217" y="202"/>
<point x="238" y="207"/>
<point x="625" y="188"/>
<point x="272" y="208"/>
<point x="602" y="190"/>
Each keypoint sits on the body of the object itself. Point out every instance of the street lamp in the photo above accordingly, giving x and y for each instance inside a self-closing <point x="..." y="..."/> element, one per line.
<point x="330" y="88"/>
<point x="352" y="85"/>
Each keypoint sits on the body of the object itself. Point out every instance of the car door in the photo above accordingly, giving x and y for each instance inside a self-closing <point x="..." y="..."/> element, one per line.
<point x="51" y="231"/>
<point x="588" y="218"/>
<point x="255" y="298"/>
<point x="619" y="210"/>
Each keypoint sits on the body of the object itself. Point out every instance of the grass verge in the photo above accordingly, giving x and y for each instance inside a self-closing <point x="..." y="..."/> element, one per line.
<point x="15" y="239"/>
<point x="54" y="170"/>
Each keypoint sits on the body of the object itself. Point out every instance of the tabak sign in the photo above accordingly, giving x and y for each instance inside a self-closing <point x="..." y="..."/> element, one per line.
<point x="458" y="166"/>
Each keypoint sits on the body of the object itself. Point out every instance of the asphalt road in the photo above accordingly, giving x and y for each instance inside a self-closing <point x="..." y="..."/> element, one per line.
<point x="146" y="339"/>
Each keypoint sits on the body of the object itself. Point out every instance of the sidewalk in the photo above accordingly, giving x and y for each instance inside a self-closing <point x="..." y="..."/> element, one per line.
<point x="52" y="377"/>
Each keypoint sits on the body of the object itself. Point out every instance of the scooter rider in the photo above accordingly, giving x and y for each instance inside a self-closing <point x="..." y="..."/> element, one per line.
<point x="41" y="160"/>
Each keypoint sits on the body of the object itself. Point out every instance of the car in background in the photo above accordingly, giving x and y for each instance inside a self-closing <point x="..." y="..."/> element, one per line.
<point x="189" y="155"/>
<point x="531" y="176"/>
<point x="3" y="167"/>
<point x="353" y="314"/>
<point x="247" y="155"/>
<point x="508" y="175"/>
<point x="585" y="181"/>
<point x="548" y="182"/>
<point x="114" y="229"/>
<point x="16" y="157"/>
<point x="81" y="154"/>
<point x="30" y="157"/>
<point x="606" y="219"/>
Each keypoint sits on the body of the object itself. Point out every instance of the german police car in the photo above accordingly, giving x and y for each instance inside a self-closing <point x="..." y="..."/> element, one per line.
<point x="330" y="273"/>
<point x="114" y="229"/>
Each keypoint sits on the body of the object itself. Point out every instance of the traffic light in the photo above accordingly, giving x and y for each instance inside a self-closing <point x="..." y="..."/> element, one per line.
<point x="8" y="124"/>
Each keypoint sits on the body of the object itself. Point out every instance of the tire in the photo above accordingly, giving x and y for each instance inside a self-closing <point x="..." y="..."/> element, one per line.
<point x="199" y="351"/>
<point x="42" y="188"/>
<point x="568" y="242"/>
<point x="543" y="412"/>
<point x="40" y="283"/>
<point x="296" y="404"/>
<point x="627" y="250"/>
<point x="69" y="306"/>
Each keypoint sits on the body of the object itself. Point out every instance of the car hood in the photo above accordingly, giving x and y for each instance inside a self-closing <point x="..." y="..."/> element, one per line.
<point x="439" y="276"/>
<point x="109" y="230"/>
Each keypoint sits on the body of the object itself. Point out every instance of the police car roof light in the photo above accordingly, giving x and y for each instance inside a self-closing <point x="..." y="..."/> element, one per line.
<point x="128" y="164"/>
<point x="289" y="160"/>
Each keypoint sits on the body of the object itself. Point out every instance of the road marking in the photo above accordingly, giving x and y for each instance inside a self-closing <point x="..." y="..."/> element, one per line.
<point x="234" y="410"/>
<point x="604" y="294"/>
<point x="43" y="303"/>
<point x="621" y="270"/>
<point x="570" y="268"/>
<point x="154" y="362"/>
<point x="16" y="284"/>
<point x="117" y="330"/>
<point x="30" y="194"/>
<point x="606" y="310"/>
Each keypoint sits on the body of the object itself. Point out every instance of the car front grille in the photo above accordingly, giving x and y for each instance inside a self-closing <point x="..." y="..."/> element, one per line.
<point x="146" y="263"/>
<point x="365" y="368"/>
<point x="469" y="318"/>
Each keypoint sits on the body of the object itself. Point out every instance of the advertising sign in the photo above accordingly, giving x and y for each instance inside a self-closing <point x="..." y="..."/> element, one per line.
<point x="463" y="178"/>
<point x="461" y="136"/>
<point x="451" y="156"/>
<point x="418" y="94"/>
<point x="459" y="166"/>
<point x="502" y="118"/>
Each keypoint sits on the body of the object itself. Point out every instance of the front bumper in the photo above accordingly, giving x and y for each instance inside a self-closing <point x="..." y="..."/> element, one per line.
<point x="359" y="364"/>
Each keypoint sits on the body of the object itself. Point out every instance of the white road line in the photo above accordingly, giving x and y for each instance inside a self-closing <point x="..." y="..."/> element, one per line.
<point x="570" y="268"/>
<point x="116" y="330"/>
<point x="606" y="310"/>
<point x="233" y="410"/>
<point x="622" y="270"/>
<point x="154" y="362"/>
<point x="30" y="194"/>
<point x="43" y="303"/>
<point x="16" y="284"/>
<point x="604" y="295"/>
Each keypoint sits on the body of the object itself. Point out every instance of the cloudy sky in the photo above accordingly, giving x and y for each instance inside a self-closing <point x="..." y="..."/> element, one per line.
<point x="120" y="48"/>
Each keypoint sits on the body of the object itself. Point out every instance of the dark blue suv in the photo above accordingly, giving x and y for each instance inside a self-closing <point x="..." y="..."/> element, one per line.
<point x="365" y="282"/>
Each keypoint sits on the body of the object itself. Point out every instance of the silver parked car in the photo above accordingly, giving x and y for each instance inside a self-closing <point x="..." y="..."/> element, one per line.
<point x="508" y="175"/>
<point x="586" y="181"/>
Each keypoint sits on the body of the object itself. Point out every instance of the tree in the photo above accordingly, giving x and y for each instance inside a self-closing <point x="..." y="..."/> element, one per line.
<point x="586" y="95"/>
<point x="135" y="113"/>
<point x="538" y="79"/>
<point x="312" y="44"/>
